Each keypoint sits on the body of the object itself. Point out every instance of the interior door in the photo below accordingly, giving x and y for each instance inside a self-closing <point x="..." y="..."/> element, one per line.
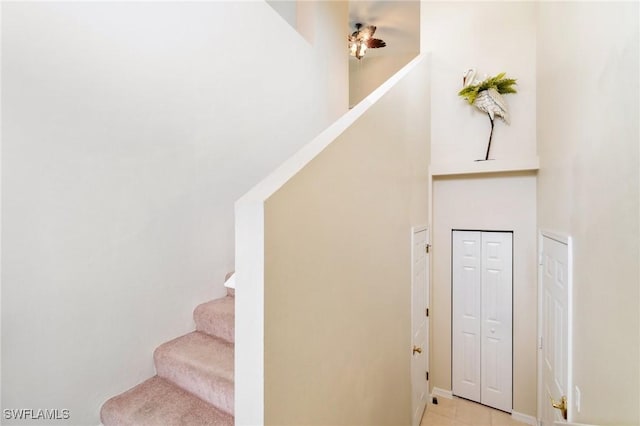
<point x="482" y="359"/>
<point x="555" y="327"/>
<point x="467" y="278"/>
<point x="419" y="323"/>
<point x="496" y="366"/>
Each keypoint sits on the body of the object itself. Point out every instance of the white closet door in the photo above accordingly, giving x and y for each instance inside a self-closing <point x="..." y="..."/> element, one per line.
<point x="496" y="348"/>
<point x="467" y="277"/>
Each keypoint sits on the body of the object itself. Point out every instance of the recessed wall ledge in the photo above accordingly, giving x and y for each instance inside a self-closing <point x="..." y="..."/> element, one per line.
<point x="489" y="166"/>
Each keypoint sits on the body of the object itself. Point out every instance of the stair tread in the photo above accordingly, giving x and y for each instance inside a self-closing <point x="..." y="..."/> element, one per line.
<point x="158" y="402"/>
<point x="224" y="305"/>
<point x="217" y="318"/>
<point x="200" y="364"/>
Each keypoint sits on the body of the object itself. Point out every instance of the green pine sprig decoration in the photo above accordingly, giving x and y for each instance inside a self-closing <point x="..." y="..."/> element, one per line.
<point x="499" y="82"/>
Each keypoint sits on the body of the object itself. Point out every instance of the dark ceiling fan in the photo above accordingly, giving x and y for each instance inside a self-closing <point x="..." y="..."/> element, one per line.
<point x="362" y="39"/>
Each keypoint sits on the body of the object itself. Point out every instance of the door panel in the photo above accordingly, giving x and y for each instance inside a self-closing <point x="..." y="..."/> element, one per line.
<point x="466" y="314"/>
<point x="419" y="323"/>
<point x="496" y="347"/>
<point x="555" y="328"/>
<point x="482" y="317"/>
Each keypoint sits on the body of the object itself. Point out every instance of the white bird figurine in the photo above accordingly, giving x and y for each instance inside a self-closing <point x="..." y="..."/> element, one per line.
<point x="487" y="97"/>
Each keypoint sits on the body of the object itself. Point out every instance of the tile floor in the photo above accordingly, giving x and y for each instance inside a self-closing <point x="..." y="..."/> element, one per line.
<point x="460" y="412"/>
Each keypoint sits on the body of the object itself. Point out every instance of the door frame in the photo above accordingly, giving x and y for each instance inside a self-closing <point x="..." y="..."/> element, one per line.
<point x="566" y="239"/>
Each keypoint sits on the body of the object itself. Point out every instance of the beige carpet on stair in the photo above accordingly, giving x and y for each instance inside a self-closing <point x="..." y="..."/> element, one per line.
<point x="157" y="402"/>
<point x="194" y="385"/>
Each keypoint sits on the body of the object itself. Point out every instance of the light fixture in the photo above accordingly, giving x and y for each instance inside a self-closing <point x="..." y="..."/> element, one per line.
<point x="362" y="39"/>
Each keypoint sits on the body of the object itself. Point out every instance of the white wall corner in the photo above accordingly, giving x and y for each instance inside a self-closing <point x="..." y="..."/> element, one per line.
<point x="249" y="328"/>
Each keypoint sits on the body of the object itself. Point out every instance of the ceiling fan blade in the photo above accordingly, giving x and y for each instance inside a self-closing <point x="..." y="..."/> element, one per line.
<point x="375" y="43"/>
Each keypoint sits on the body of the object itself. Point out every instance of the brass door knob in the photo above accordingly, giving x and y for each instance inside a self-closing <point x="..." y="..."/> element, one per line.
<point x="417" y="349"/>
<point x="562" y="406"/>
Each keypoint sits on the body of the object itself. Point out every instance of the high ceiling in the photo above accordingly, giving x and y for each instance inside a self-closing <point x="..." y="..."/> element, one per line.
<point x="398" y="23"/>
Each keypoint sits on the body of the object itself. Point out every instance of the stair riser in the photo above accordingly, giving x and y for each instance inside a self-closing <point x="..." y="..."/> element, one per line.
<point x="216" y="391"/>
<point x="215" y="329"/>
<point x="216" y="320"/>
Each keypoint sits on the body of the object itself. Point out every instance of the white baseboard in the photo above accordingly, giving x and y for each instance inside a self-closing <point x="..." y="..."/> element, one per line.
<point x="524" y="418"/>
<point x="442" y="392"/>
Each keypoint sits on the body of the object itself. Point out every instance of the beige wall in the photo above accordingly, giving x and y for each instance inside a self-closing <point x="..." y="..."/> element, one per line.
<point x="588" y="131"/>
<point x="337" y="270"/>
<point x="367" y="74"/>
<point x="128" y="131"/>
<point x="492" y="37"/>
<point x="398" y="23"/>
<point x="488" y="202"/>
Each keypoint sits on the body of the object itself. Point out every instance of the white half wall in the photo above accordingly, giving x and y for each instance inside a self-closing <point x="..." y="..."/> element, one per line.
<point x="395" y="164"/>
<point x="128" y="131"/>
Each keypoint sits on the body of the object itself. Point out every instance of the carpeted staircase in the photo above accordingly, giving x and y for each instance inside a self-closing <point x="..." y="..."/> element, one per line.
<point x="194" y="377"/>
